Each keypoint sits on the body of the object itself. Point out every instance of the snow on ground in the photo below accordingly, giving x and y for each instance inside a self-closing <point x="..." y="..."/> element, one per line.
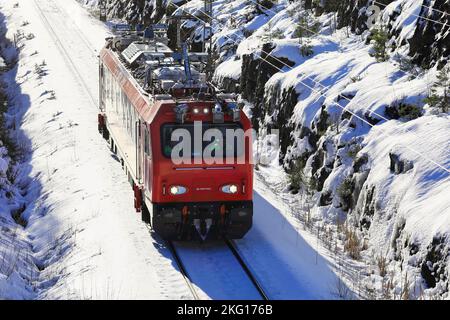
<point x="83" y="231"/>
<point x="420" y="196"/>
<point x="16" y="261"/>
<point x="230" y="69"/>
<point x="82" y="227"/>
<point x="281" y="253"/>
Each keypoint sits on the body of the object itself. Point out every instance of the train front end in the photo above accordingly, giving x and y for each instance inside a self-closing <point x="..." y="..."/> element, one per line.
<point x="202" y="179"/>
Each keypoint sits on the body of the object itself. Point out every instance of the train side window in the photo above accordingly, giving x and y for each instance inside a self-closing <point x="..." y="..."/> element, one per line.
<point x="147" y="142"/>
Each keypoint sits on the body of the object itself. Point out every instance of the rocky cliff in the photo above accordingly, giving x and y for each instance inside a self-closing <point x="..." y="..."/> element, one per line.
<point x="345" y="83"/>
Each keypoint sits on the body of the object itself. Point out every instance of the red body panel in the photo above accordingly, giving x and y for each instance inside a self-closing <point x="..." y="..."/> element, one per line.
<point x="128" y="85"/>
<point x="203" y="182"/>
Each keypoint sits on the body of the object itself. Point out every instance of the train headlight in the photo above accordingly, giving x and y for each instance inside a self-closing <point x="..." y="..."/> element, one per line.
<point x="205" y="110"/>
<point x="177" y="190"/>
<point x="230" y="188"/>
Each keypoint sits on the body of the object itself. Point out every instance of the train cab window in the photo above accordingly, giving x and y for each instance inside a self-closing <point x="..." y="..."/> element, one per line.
<point x="238" y="147"/>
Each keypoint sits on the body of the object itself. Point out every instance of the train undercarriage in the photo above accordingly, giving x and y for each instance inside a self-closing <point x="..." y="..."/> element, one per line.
<point x="202" y="221"/>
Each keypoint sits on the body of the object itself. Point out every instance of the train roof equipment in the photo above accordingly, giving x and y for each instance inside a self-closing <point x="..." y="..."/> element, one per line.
<point x="158" y="69"/>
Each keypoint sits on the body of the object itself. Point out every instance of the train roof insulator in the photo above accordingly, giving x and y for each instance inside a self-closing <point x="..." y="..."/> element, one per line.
<point x="120" y="27"/>
<point x="217" y="113"/>
<point x="149" y="33"/>
<point x="160" y="27"/>
<point x="235" y="111"/>
<point x="178" y="57"/>
<point x="157" y="33"/>
<point x="198" y="57"/>
<point x="181" y="112"/>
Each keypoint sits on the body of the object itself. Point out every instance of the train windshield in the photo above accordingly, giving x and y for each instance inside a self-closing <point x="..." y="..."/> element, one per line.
<point x="200" y="139"/>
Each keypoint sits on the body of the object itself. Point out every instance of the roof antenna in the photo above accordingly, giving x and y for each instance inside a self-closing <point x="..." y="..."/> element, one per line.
<point x="149" y="33"/>
<point x="186" y="62"/>
<point x="207" y="30"/>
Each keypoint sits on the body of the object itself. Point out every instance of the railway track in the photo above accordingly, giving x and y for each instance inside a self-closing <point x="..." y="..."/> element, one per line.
<point x="65" y="54"/>
<point x="235" y="252"/>
<point x="63" y="12"/>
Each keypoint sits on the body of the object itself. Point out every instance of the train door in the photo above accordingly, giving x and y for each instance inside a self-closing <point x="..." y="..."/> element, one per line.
<point x="147" y="159"/>
<point x="101" y="87"/>
<point x="139" y="151"/>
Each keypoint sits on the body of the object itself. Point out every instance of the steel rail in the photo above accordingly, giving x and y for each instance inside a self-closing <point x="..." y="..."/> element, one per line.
<point x="182" y="269"/>
<point x="232" y="246"/>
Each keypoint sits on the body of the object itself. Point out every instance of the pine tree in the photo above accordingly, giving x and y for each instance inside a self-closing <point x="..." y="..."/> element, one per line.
<point x="305" y="30"/>
<point x="380" y="37"/>
<point x="442" y="83"/>
<point x="306" y="49"/>
<point x="263" y="5"/>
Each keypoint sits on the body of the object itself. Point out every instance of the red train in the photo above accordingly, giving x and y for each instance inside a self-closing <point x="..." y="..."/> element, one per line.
<point x="150" y="96"/>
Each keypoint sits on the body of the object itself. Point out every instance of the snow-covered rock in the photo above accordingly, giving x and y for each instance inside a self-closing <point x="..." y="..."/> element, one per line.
<point x="358" y="126"/>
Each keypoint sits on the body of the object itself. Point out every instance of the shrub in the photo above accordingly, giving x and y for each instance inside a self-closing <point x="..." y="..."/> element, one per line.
<point x="407" y="65"/>
<point x="345" y="192"/>
<point x="296" y="178"/>
<point x="170" y="9"/>
<point x="263" y="5"/>
<point x="403" y="110"/>
<point x="5" y="139"/>
<point x="352" y="244"/>
<point x="345" y="189"/>
<point x="409" y="111"/>
<point x="305" y="29"/>
<point x="382" y="265"/>
<point x="380" y="38"/>
<point x="442" y="83"/>
<point x="306" y="49"/>
<point x="277" y="34"/>
<point x="353" y="151"/>
<point x="355" y="79"/>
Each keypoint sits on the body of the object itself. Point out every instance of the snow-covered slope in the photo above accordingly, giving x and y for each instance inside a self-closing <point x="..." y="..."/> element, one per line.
<point x="357" y="140"/>
<point x="16" y="260"/>
<point x="354" y="127"/>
